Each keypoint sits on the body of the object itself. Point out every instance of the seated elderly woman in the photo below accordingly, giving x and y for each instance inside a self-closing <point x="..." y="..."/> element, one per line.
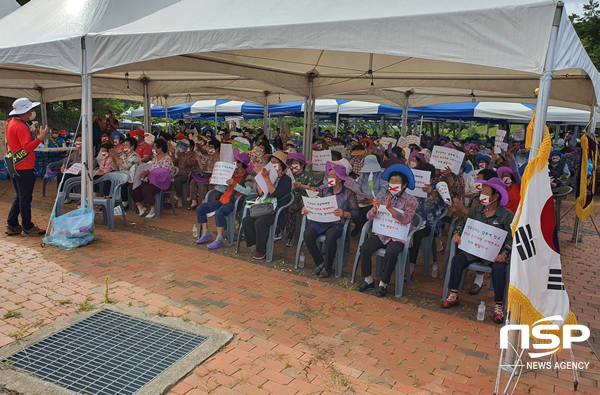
<point x="147" y="190"/>
<point x="491" y="211"/>
<point x="372" y="186"/>
<point x="186" y="160"/>
<point x="347" y="208"/>
<point x="256" y="230"/>
<point x="402" y="206"/>
<point x="240" y="184"/>
<point x="124" y="158"/>
<point x="304" y="181"/>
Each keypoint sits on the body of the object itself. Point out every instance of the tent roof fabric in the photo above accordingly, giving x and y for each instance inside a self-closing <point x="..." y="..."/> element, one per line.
<point x="8" y="6"/>
<point x="481" y="46"/>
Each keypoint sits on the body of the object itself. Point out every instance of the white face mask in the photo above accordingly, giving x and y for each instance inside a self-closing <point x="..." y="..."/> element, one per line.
<point x="484" y="199"/>
<point x="482" y="165"/>
<point x="295" y="168"/>
<point x="106" y="116"/>
<point x="55" y="136"/>
<point x="507" y="181"/>
<point x="555" y="159"/>
<point x="395" y="188"/>
<point x="413" y="165"/>
<point x="78" y="144"/>
<point x="331" y="182"/>
<point x="101" y="156"/>
<point x="116" y="141"/>
<point x="153" y="152"/>
<point x="211" y="151"/>
<point x="277" y="166"/>
<point x="126" y="150"/>
<point x="478" y="186"/>
<point x="33" y="115"/>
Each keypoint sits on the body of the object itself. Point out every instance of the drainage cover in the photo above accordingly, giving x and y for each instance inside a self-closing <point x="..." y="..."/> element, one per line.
<point x="108" y="353"/>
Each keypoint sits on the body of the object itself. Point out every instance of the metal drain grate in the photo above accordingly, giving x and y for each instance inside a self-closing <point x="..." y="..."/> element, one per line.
<point x="108" y="353"/>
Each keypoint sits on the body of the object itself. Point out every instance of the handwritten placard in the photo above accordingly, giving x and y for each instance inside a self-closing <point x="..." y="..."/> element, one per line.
<point x="222" y="172"/>
<point x="500" y="134"/>
<point x="421" y="179"/>
<point x="385" y="224"/>
<point x="319" y="159"/>
<point x="482" y="240"/>
<point x="519" y="135"/>
<point x="442" y="157"/>
<point x="413" y="140"/>
<point x="386" y="141"/>
<point x="321" y="209"/>
<point x="149" y="138"/>
<point x="442" y="189"/>
<point x="227" y="153"/>
<point x="74" y="169"/>
<point x="402" y="142"/>
<point x="260" y="180"/>
<point x="337" y="148"/>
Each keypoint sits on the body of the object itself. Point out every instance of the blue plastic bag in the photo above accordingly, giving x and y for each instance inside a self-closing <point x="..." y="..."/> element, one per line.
<point x="73" y="229"/>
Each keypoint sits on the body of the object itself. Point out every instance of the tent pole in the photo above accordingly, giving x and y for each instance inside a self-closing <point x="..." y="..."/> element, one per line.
<point x="381" y="125"/>
<point x="147" y="106"/>
<point x="487" y="132"/>
<point x="308" y="129"/>
<point x="87" y="156"/>
<point x="355" y="125"/>
<point x="266" y="115"/>
<point x="43" y="107"/>
<point x="167" y="113"/>
<point x="337" y="120"/>
<point x="544" y="91"/>
<point x="405" y="113"/>
<point x="459" y="127"/>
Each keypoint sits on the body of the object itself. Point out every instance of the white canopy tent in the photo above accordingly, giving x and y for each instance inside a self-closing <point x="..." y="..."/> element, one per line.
<point x="7" y="6"/>
<point x="306" y="48"/>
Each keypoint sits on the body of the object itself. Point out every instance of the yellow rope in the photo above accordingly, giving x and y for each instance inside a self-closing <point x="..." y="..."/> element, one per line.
<point x="584" y="212"/>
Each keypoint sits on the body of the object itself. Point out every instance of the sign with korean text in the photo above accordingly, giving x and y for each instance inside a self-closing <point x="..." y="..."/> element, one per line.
<point x="519" y="135"/>
<point x="260" y="180"/>
<point x="413" y="140"/>
<point x="319" y="159"/>
<point x="386" y="141"/>
<point x="444" y="191"/>
<point x="500" y="134"/>
<point x="402" y="142"/>
<point x="227" y="153"/>
<point x="321" y="209"/>
<point x="222" y="172"/>
<point x="442" y="157"/>
<point x="421" y="179"/>
<point x="385" y="224"/>
<point x="482" y="240"/>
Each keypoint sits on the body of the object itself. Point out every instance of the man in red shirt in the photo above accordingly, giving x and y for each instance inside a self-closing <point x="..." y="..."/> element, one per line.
<point x="144" y="150"/>
<point x="19" y="161"/>
<point x="111" y="122"/>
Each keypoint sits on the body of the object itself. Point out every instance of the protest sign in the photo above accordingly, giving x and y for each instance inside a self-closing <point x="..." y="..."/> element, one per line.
<point x="499" y="139"/>
<point x="227" y="153"/>
<point x="75" y="168"/>
<point x="260" y="180"/>
<point x="338" y="148"/>
<point x="421" y="179"/>
<point x="319" y="159"/>
<point x="137" y="178"/>
<point x="442" y="189"/>
<point x="385" y="224"/>
<point x="222" y="172"/>
<point x="519" y="135"/>
<point x="482" y="240"/>
<point x="402" y="142"/>
<point x="413" y="140"/>
<point x="386" y="141"/>
<point x="149" y="138"/>
<point x="443" y="157"/>
<point x="321" y="209"/>
<point x="241" y="143"/>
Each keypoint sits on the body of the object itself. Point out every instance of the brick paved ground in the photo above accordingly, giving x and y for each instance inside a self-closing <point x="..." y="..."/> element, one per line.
<point x="294" y="334"/>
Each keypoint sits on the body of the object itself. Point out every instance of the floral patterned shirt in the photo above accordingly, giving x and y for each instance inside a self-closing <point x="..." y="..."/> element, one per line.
<point x="129" y="160"/>
<point x="430" y="210"/>
<point x="186" y="163"/>
<point x="165" y="162"/>
<point x="304" y="178"/>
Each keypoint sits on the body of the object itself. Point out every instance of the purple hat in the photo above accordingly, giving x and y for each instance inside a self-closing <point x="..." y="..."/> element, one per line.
<point x="242" y="157"/>
<point x="339" y="170"/>
<point x="160" y="178"/>
<point x="448" y="145"/>
<point x="469" y="146"/>
<point x="444" y="138"/>
<point x="498" y="185"/>
<point x="198" y="177"/>
<point x="417" y="155"/>
<point x="298" y="157"/>
<point x="503" y="169"/>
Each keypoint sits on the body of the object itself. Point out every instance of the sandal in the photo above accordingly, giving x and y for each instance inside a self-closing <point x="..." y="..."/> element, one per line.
<point x="449" y="302"/>
<point x="499" y="313"/>
<point x="192" y="207"/>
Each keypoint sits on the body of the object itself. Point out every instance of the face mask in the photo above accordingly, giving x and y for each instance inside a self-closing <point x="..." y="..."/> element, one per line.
<point x="277" y="166"/>
<point x="55" y="135"/>
<point x="395" y="188"/>
<point x="78" y="144"/>
<point x="482" y="165"/>
<point x="126" y="150"/>
<point x="568" y="155"/>
<point x="101" y="156"/>
<point x="116" y="142"/>
<point x="153" y="152"/>
<point x="413" y="165"/>
<point x="104" y="139"/>
<point x="478" y="186"/>
<point x="507" y="181"/>
<point x="331" y="182"/>
<point x="33" y="115"/>
<point x="295" y="168"/>
<point x="211" y="151"/>
<point x="484" y="199"/>
<point x="523" y="151"/>
<point x="106" y="116"/>
<point x="555" y="159"/>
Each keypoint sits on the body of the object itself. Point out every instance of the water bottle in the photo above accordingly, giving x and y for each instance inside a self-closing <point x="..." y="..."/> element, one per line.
<point x="195" y="231"/>
<point x="301" y="263"/>
<point x="481" y="311"/>
<point x="434" y="270"/>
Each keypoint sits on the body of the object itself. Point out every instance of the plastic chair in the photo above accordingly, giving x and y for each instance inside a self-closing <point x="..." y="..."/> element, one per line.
<point x="473" y="266"/>
<point x="559" y="194"/>
<point x="117" y="180"/>
<point x="427" y="243"/>
<point x="230" y="219"/>
<point x="272" y="229"/>
<point x="160" y="197"/>
<point x="184" y="190"/>
<point x="447" y="252"/>
<point x="52" y="170"/>
<point x="402" y="269"/>
<point x="67" y="193"/>
<point x="342" y="246"/>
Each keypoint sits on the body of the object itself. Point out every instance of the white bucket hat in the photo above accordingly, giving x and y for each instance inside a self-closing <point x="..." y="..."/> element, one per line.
<point x="22" y="106"/>
<point x="371" y="165"/>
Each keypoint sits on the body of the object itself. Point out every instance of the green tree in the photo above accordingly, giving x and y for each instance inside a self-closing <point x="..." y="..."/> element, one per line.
<point x="587" y="27"/>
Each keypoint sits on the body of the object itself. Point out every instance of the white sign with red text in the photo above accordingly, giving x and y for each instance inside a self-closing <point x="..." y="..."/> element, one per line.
<point x="421" y="179"/>
<point x="319" y="159"/>
<point x="442" y="157"/>
<point x="482" y="240"/>
<point x="385" y="224"/>
<point x="321" y="209"/>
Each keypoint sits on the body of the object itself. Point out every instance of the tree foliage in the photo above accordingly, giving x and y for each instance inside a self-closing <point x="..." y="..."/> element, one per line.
<point x="587" y="26"/>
